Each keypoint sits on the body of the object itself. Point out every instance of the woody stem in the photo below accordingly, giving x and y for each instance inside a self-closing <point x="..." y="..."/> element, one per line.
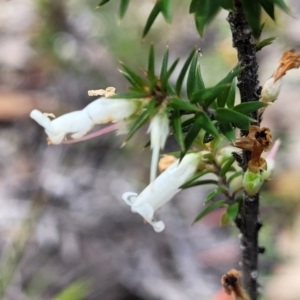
<point x="248" y="218"/>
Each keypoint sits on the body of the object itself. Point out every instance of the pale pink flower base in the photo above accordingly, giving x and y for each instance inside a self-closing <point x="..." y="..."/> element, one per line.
<point x="100" y="132"/>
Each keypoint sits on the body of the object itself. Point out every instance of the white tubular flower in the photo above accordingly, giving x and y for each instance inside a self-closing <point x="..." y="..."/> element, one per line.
<point x="159" y="131"/>
<point x="78" y="123"/>
<point x="162" y="190"/>
<point x="270" y="90"/>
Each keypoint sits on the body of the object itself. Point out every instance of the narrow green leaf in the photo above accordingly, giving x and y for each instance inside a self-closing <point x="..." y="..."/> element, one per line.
<point x="141" y="120"/>
<point x="187" y="123"/>
<point x="228" y="131"/>
<point x="282" y="5"/>
<point x="165" y="7"/>
<point x="231" y="75"/>
<point x="222" y="96"/>
<point x="207" y="96"/>
<point x="76" y="291"/>
<point x="177" y="128"/>
<point x="199" y="182"/>
<point x="183" y="72"/>
<point x="264" y="43"/>
<point x="190" y="84"/>
<point x="252" y="13"/>
<point x="224" y="220"/>
<point x="123" y="8"/>
<point x="227" y="4"/>
<point x="151" y="67"/>
<point x="206" y="10"/>
<point x="230" y="116"/>
<point x="193" y="6"/>
<point x="231" y="95"/>
<point x="249" y="107"/>
<point x="213" y="194"/>
<point x="153" y="15"/>
<point x="226" y="167"/>
<point x="169" y="73"/>
<point x="268" y="6"/>
<point x="139" y="82"/>
<point x="191" y="135"/>
<point x="195" y="177"/>
<point x="204" y="121"/>
<point x="103" y="2"/>
<point x="233" y="211"/>
<point x="164" y="66"/>
<point x="209" y="209"/>
<point x="199" y="83"/>
<point x="178" y="103"/>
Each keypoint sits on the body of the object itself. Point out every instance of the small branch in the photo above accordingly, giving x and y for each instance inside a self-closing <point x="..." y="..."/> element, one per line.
<point x="247" y="220"/>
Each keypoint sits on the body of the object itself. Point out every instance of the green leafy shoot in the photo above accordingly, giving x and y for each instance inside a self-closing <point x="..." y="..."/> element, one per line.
<point x="209" y="209"/>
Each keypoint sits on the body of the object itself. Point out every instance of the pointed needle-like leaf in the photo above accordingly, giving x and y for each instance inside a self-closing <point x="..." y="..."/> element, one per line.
<point x="141" y="120"/>
<point x="123" y="8"/>
<point x="209" y="209"/>
<point x="153" y="15"/>
<point x="183" y="72"/>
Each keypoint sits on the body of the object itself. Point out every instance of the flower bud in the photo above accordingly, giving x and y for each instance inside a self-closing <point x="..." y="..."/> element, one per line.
<point x="252" y="182"/>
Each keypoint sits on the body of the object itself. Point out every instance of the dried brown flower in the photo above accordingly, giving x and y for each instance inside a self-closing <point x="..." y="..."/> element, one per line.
<point x="257" y="137"/>
<point x="289" y="60"/>
<point x="257" y="141"/>
<point x="231" y="284"/>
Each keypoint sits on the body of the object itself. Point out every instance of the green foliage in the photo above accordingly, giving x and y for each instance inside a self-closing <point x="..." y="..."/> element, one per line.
<point x="78" y="290"/>
<point x="264" y="43"/>
<point x="209" y="209"/>
<point x="161" y="6"/>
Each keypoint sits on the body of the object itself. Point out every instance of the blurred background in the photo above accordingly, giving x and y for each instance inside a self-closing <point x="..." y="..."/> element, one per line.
<point x="65" y="232"/>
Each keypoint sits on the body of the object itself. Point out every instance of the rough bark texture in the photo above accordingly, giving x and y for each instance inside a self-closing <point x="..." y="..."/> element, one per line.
<point x="247" y="220"/>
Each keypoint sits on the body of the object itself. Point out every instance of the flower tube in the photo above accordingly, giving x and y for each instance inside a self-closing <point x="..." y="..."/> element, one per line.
<point x="162" y="189"/>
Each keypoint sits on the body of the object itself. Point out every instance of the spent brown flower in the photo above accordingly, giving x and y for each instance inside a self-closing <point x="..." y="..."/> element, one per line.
<point x="232" y="285"/>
